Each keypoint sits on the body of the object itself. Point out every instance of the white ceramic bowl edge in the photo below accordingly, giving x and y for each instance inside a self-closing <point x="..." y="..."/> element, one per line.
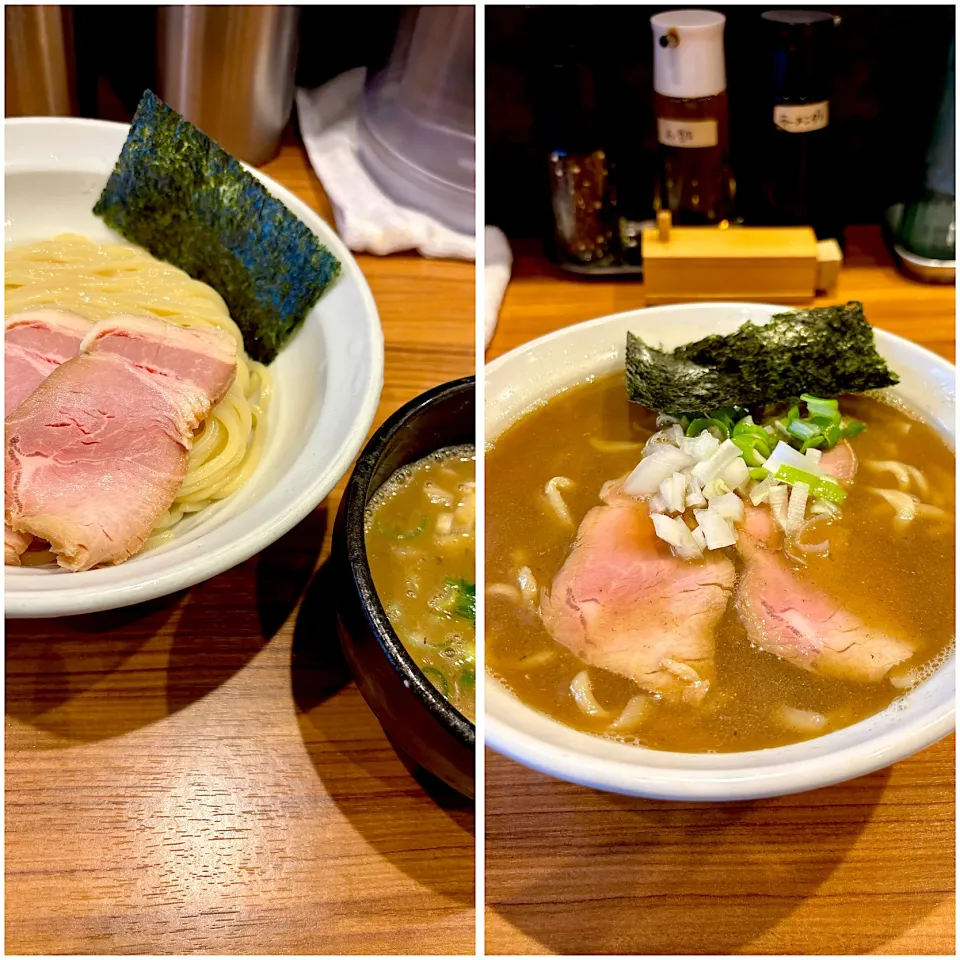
<point x="327" y="384"/>
<point x="525" y="377"/>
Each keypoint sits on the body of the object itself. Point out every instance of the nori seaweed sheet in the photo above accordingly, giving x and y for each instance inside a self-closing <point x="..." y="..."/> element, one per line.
<point x="180" y="196"/>
<point x="825" y="351"/>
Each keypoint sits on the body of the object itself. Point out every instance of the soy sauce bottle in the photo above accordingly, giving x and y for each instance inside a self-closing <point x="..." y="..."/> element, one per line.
<point x="696" y="182"/>
<point x="797" y="177"/>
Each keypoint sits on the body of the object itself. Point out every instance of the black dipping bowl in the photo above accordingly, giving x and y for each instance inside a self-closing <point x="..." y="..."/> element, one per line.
<point x="416" y="717"/>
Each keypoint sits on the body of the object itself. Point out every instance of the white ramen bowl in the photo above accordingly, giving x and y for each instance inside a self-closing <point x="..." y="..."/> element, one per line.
<point x="530" y="375"/>
<point x="327" y="382"/>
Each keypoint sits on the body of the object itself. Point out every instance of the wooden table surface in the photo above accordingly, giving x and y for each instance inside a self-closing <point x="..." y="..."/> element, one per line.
<point x="863" y="867"/>
<point x="198" y="774"/>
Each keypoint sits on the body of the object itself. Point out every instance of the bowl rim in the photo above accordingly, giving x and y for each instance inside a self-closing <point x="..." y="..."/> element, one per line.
<point x="77" y="596"/>
<point x="734" y="782"/>
<point x="354" y="505"/>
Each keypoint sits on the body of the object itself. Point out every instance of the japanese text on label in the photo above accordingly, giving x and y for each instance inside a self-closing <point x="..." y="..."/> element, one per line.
<point x="687" y="133"/>
<point x="802" y="117"/>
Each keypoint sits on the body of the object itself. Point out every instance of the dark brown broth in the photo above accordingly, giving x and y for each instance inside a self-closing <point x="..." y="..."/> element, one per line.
<point x="903" y="582"/>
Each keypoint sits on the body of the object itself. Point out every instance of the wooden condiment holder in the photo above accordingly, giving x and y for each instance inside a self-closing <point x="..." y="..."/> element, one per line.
<point x="777" y="264"/>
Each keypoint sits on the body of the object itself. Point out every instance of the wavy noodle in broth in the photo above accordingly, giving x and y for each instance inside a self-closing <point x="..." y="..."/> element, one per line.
<point x="878" y="566"/>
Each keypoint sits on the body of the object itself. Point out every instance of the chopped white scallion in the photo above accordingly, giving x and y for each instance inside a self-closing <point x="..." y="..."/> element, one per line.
<point x="673" y="490"/>
<point x="735" y="474"/>
<point x="813" y="455"/>
<point x="777" y="498"/>
<point x="675" y="532"/>
<point x="783" y="453"/>
<point x="797" y="507"/>
<point x="723" y="456"/>
<point x="669" y="437"/>
<point x="701" y="538"/>
<point x="700" y="447"/>
<point x="656" y="504"/>
<point x="695" y="497"/>
<point x="718" y="487"/>
<point x="652" y="470"/>
<point x="729" y="506"/>
<point x="762" y="490"/>
<point x="716" y="528"/>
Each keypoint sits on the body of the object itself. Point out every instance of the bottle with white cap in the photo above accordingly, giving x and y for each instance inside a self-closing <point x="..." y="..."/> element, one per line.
<point x="696" y="183"/>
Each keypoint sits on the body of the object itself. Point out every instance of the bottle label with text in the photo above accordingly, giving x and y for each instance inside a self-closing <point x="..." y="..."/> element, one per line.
<point x="687" y="133"/>
<point x="802" y="117"/>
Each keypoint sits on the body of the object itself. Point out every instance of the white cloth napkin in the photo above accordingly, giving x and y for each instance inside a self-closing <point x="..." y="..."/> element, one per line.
<point x="497" y="263"/>
<point x="367" y="219"/>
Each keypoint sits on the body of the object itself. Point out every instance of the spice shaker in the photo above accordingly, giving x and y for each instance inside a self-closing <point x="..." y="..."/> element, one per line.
<point x="696" y="182"/>
<point x="575" y="139"/>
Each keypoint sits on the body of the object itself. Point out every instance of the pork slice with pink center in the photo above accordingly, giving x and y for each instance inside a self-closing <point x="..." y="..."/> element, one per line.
<point x="35" y="343"/>
<point x="97" y="453"/>
<point x="840" y="462"/>
<point x="622" y="601"/>
<point x="800" y="622"/>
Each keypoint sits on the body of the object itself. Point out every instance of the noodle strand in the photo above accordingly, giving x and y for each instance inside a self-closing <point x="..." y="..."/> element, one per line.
<point x="97" y="281"/>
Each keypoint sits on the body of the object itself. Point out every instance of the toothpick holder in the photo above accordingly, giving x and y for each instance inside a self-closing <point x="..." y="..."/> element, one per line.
<point x="776" y="264"/>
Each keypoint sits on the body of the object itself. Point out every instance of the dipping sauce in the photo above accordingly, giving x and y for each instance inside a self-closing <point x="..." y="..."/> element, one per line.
<point x="421" y="548"/>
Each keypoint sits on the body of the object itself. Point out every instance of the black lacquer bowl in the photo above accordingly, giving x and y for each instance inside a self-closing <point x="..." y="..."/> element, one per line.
<point x="419" y="721"/>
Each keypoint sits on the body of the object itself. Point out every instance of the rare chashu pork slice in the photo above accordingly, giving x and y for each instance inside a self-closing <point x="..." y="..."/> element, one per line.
<point x="800" y="622"/>
<point x="622" y="601"/>
<point x="35" y="343"/>
<point x="97" y="453"/>
<point x="840" y="462"/>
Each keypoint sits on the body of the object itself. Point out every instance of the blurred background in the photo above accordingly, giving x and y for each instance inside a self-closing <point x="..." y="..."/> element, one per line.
<point x="83" y="61"/>
<point x="556" y="76"/>
<point x="381" y="98"/>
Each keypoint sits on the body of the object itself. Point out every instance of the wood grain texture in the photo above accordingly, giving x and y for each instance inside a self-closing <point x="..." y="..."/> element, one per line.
<point x="198" y="774"/>
<point x="860" y="868"/>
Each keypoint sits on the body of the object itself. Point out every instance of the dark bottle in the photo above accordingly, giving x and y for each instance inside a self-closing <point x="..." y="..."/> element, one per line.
<point x="926" y="225"/>
<point x="695" y="183"/>
<point x="574" y="135"/>
<point x="797" y="174"/>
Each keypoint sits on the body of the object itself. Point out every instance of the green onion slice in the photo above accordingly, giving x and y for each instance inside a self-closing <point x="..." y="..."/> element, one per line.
<point x="819" y="407"/>
<point x="853" y="427"/>
<point x="820" y="487"/>
<point x="437" y="679"/>
<point x="754" y="450"/>
<point x="394" y="534"/>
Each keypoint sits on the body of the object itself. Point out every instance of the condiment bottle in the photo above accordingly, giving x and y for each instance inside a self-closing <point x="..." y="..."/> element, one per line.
<point x="579" y="165"/>
<point x="696" y="183"/>
<point x="797" y="173"/>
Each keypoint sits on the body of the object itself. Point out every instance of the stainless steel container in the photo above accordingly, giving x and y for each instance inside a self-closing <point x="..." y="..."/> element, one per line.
<point x="230" y="71"/>
<point x="40" y="78"/>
